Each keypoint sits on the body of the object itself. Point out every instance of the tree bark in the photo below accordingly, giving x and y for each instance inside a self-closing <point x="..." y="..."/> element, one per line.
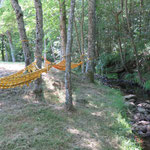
<point x="52" y="50"/>
<point x="2" y="47"/>
<point x="91" y="41"/>
<point x="68" y="86"/>
<point x="39" y="46"/>
<point x="6" y="52"/>
<point x="82" y="37"/>
<point x="78" y="40"/>
<point x="11" y="46"/>
<point x="119" y="39"/>
<point x="45" y="49"/>
<point x="132" y="42"/>
<point x="1" y="3"/>
<point x="22" y="31"/>
<point x="63" y="33"/>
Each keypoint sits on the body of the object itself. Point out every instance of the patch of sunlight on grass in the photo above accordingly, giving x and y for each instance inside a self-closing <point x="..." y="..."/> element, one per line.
<point x="92" y="105"/>
<point x="128" y="144"/>
<point x="86" y="140"/>
<point x="123" y="122"/>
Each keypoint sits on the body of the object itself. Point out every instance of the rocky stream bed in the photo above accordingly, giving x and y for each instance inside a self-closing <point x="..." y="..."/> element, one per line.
<point x="138" y="107"/>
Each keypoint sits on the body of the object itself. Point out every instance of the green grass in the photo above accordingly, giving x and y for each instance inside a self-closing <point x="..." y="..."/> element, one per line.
<point x="99" y="124"/>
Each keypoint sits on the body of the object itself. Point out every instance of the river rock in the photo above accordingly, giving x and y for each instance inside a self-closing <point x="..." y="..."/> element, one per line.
<point x="148" y="128"/>
<point x="131" y="96"/>
<point x="145" y="105"/>
<point x="132" y="100"/>
<point x="130" y="104"/>
<point x="144" y="135"/>
<point x="143" y="122"/>
<point x="147" y="117"/>
<point x="138" y="117"/>
<point x="148" y="101"/>
<point x="141" y="110"/>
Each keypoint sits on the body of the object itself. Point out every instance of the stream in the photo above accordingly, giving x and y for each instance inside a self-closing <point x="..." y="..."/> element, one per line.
<point x="137" y="101"/>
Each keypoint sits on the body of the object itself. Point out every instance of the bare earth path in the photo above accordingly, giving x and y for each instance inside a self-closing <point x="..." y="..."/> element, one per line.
<point x="97" y="123"/>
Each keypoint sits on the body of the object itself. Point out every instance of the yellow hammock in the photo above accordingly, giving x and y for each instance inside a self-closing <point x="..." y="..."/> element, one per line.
<point x="31" y="73"/>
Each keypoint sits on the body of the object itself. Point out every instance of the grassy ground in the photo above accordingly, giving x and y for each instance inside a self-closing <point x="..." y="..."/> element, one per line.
<point x="99" y="122"/>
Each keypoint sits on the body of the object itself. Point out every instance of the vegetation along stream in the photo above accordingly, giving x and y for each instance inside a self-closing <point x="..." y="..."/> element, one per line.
<point x="137" y="101"/>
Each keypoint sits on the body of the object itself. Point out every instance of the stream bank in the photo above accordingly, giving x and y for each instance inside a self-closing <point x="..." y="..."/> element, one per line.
<point x="137" y="102"/>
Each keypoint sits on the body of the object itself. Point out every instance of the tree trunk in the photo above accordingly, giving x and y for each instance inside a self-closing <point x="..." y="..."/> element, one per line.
<point x="52" y="50"/>
<point x="68" y="86"/>
<point x="1" y="3"/>
<point x="11" y="46"/>
<point x="119" y="39"/>
<point x="63" y="33"/>
<point x="39" y="46"/>
<point x="22" y="31"/>
<point x="132" y="42"/>
<point x="82" y="37"/>
<point x="2" y="47"/>
<point x="91" y="41"/>
<point x="6" y="52"/>
<point x="45" y="49"/>
<point x="78" y="40"/>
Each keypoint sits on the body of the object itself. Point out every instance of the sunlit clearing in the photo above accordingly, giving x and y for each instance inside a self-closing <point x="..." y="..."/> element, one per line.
<point x="98" y="114"/>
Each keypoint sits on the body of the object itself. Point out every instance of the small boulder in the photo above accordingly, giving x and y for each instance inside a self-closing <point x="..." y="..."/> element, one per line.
<point x="143" y="122"/>
<point x="130" y="104"/>
<point x="145" y="105"/>
<point x="148" y="128"/>
<point x="141" y="110"/>
<point x="132" y="100"/>
<point x="148" y="117"/>
<point x="138" y="117"/>
<point x="148" y="101"/>
<point x="131" y="96"/>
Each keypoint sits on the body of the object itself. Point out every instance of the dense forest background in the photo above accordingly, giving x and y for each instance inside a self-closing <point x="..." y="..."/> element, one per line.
<point x="122" y="35"/>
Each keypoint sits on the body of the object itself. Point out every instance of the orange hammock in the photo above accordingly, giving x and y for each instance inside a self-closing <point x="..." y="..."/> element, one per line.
<point x="62" y="65"/>
<point x="31" y="73"/>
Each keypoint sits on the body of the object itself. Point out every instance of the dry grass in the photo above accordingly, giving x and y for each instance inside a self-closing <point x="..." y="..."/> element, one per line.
<point x="97" y="123"/>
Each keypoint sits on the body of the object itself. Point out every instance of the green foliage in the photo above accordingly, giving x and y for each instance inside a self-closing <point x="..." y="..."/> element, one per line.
<point x="147" y="85"/>
<point x="106" y="61"/>
<point x="112" y="75"/>
<point x="133" y="77"/>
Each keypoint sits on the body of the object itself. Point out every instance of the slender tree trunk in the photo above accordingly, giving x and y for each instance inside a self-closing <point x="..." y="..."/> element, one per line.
<point x="6" y="52"/>
<point x="53" y="54"/>
<point x="98" y="40"/>
<point x="82" y="38"/>
<point x="119" y="39"/>
<point x="45" y="49"/>
<point x="141" y="16"/>
<point x="22" y="31"/>
<point x="78" y="40"/>
<point x="68" y="86"/>
<point x="91" y="41"/>
<point x="11" y="46"/>
<point x="1" y="3"/>
<point x="132" y="42"/>
<point x="63" y="33"/>
<point x="2" y="47"/>
<point x="39" y="45"/>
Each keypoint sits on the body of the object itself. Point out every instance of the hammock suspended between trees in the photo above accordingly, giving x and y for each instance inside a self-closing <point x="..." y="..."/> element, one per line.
<point x="31" y="73"/>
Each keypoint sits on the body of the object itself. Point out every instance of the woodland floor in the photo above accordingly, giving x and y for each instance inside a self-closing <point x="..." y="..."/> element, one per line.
<point x="99" y="122"/>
